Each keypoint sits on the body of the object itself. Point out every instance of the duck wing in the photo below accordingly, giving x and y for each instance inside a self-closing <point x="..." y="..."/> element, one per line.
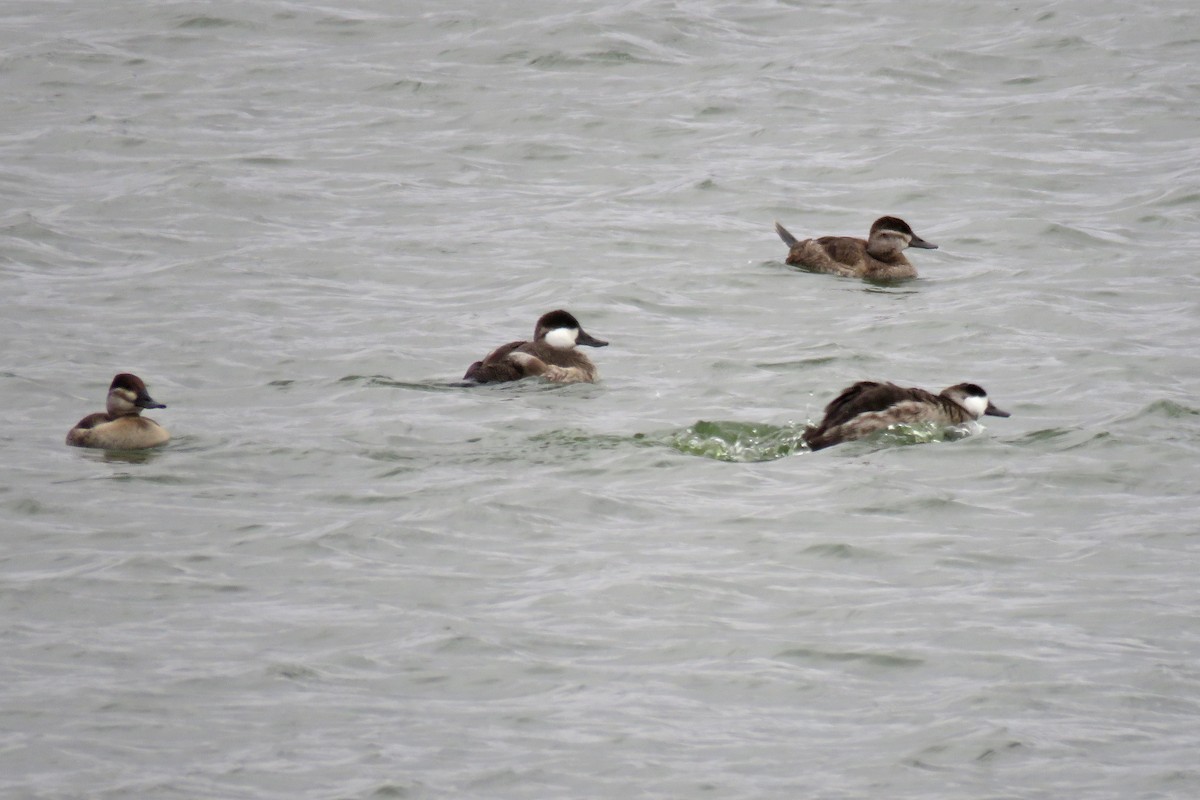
<point x="497" y="367"/>
<point x="863" y="397"/>
<point x="843" y="249"/>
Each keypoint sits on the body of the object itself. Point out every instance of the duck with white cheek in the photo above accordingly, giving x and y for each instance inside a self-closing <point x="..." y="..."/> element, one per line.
<point x="868" y="407"/>
<point x="552" y="354"/>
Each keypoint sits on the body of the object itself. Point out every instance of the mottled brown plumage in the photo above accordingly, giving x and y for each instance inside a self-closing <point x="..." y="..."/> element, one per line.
<point x="880" y="257"/>
<point x="551" y="355"/>
<point x="868" y="406"/>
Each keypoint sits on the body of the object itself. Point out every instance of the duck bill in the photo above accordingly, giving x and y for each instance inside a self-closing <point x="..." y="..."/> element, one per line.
<point x="992" y="411"/>
<point x="146" y="401"/>
<point x="589" y="340"/>
<point x="917" y="241"/>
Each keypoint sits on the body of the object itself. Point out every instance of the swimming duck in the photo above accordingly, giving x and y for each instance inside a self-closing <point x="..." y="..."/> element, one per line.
<point x="121" y="427"/>
<point x="879" y="258"/>
<point x="551" y="354"/>
<point x="868" y="406"/>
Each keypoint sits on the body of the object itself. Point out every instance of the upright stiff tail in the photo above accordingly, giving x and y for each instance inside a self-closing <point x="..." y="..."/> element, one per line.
<point x="788" y="239"/>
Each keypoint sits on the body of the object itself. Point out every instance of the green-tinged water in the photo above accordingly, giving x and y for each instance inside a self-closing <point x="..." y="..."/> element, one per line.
<point x="347" y="576"/>
<point x="749" y="441"/>
<point x="736" y="441"/>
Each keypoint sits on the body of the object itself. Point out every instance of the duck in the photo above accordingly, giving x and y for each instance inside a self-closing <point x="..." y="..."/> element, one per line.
<point x="880" y="257"/>
<point x="551" y="355"/>
<point x="121" y="426"/>
<point x="870" y="406"/>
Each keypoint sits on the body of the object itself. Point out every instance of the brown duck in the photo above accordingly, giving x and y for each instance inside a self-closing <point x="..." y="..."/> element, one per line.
<point x="880" y="257"/>
<point x="867" y="407"/>
<point x="551" y="354"/>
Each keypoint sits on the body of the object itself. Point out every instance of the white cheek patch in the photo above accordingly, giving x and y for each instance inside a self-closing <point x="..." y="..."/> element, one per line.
<point x="562" y="338"/>
<point x="975" y="406"/>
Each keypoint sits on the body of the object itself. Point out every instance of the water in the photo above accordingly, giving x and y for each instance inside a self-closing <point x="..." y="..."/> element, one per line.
<point x="345" y="577"/>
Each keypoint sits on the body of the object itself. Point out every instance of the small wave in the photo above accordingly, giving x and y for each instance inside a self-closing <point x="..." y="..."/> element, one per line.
<point x="841" y="550"/>
<point x="924" y="433"/>
<point x="809" y="654"/>
<point x="206" y="22"/>
<point x="1167" y="408"/>
<point x="384" y="381"/>
<point x="753" y="441"/>
<point x="734" y="441"/>
<point x="1066" y="439"/>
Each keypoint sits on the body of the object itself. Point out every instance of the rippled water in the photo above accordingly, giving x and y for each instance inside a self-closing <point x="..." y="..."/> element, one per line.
<point x="346" y="577"/>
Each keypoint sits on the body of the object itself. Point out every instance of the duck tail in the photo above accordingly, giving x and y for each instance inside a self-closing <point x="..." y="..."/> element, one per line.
<point x="788" y="239"/>
<point x="815" y="439"/>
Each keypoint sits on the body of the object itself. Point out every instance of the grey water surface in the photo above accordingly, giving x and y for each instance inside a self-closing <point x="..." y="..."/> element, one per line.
<point x="346" y="577"/>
